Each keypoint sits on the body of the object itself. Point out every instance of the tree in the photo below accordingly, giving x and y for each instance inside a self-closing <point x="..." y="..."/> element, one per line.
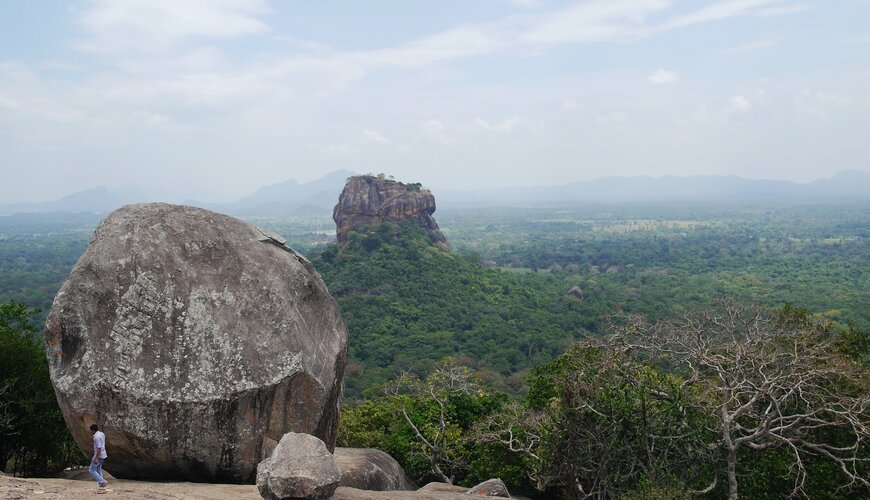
<point x="436" y="434"/>
<point x="7" y="427"/>
<point x="522" y="431"/>
<point x="596" y="423"/>
<point x="35" y="439"/>
<point x="767" y="382"/>
<point x="423" y="422"/>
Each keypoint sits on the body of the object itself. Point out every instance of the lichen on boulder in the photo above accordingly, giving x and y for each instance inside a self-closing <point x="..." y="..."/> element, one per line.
<point x="195" y="341"/>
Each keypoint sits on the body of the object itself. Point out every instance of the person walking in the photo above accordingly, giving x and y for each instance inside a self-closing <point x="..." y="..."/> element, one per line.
<point x="96" y="468"/>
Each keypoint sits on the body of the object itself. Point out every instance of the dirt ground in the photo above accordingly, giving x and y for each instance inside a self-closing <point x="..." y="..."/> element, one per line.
<point x="77" y="485"/>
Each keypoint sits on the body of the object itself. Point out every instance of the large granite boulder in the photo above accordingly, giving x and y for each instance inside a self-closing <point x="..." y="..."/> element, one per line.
<point x="368" y="200"/>
<point x="195" y="341"/>
<point x="300" y="467"/>
<point x="370" y="469"/>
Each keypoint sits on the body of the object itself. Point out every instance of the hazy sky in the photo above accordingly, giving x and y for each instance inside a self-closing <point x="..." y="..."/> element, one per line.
<point x="215" y="98"/>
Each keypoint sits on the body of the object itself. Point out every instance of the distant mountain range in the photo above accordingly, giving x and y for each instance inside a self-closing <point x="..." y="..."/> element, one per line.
<point x="97" y="200"/>
<point x="846" y="186"/>
<point x="315" y="197"/>
<point x="319" y="196"/>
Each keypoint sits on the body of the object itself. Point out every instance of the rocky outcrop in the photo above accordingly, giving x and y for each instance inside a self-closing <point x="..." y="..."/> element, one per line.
<point x="490" y="488"/>
<point x="575" y="291"/>
<point x="195" y="341"/>
<point x="443" y="488"/>
<point x="370" y="469"/>
<point x="300" y="467"/>
<point x="368" y="200"/>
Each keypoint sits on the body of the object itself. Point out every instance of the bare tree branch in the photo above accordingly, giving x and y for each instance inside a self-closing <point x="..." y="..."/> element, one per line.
<point x="777" y="382"/>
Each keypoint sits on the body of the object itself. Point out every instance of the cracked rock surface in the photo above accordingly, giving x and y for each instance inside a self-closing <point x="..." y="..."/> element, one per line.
<point x="195" y="341"/>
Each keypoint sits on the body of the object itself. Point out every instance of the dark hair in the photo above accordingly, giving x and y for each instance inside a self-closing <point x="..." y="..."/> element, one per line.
<point x="94" y="427"/>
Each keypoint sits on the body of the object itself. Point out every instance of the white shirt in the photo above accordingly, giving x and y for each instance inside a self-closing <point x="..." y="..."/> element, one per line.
<point x="100" y="442"/>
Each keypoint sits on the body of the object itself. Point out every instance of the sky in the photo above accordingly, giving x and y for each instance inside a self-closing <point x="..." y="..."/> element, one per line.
<point x="212" y="99"/>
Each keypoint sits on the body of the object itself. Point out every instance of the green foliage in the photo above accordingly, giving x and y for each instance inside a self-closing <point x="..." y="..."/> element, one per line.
<point x="423" y="424"/>
<point x="770" y="476"/>
<point x="653" y="487"/>
<point x="854" y="343"/>
<point x="614" y="424"/>
<point x="409" y="304"/>
<point x="369" y="178"/>
<point x="500" y="304"/>
<point x="785" y="409"/>
<point x="33" y="265"/>
<point x="487" y="460"/>
<point x="658" y="259"/>
<point x="35" y="439"/>
<point x="600" y="418"/>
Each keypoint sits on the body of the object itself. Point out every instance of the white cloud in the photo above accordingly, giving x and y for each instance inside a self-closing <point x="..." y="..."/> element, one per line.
<point x="601" y="21"/>
<point x="436" y="130"/>
<point x="570" y="105"/>
<point x="8" y="103"/>
<point x="595" y="21"/>
<point x="506" y="126"/>
<point x="617" y="118"/>
<point x="170" y="91"/>
<point x="336" y="149"/>
<point x="783" y="10"/>
<point x="663" y="77"/>
<point x="739" y="104"/>
<point x="371" y="135"/>
<point x="202" y="75"/>
<point x="155" y="26"/>
<point x="302" y="43"/>
<point x="856" y="39"/>
<point x="820" y="105"/>
<point x="150" y="118"/>
<point x="452" y="44"/>
<point x="717" y="11"/>
<point x="526" y="3"/>
<point x="433" y="127"/>
<point x="835" y="100"/>
<point x="756" y="45"/>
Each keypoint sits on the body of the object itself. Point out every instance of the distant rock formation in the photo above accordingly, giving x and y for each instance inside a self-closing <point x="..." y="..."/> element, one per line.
<point x="368" y="200"/>
<point x="195" y="341"/>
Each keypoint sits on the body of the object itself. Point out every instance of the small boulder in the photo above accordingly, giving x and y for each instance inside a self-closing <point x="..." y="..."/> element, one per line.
<point x="300" y="467"/>
<point x="436" y="487"/>
<point x="370" y="469"/>
<point x="576" y="292"/>
<point x="490" y="488"/>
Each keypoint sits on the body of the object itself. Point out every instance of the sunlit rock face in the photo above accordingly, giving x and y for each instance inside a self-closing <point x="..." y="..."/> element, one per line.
<point x="368" y="200"/>
<point x="195" y="341"/>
